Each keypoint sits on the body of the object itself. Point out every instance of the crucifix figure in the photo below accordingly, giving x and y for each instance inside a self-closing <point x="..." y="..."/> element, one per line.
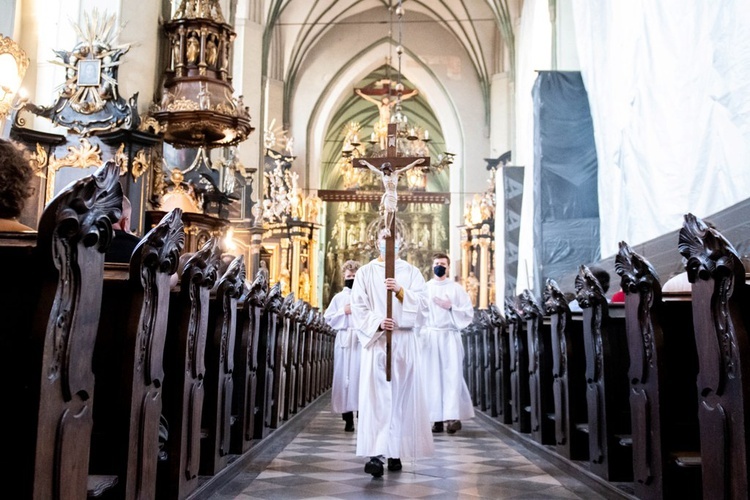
<point x="389" y="201"/>
<point x="389" y="168"/>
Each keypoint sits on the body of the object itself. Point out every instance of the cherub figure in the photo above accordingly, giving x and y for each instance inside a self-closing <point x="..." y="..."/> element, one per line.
<point x="389" y="200"/>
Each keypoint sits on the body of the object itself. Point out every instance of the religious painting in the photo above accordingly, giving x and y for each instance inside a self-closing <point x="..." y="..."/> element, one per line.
<point x="89" y="72"/>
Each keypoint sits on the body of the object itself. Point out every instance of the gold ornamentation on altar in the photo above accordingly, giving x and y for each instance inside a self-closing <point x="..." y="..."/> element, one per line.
<point x="140" y="164"/>
<point x="181" y="195"/>
<point x="39" y="161"/>
<point x="84" y="157"/>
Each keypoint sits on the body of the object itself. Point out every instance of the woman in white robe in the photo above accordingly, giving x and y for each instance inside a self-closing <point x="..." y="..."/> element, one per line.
<point x="393" y="416"/>
<point x="345" y="387"/>
<point x="450" y="311"/>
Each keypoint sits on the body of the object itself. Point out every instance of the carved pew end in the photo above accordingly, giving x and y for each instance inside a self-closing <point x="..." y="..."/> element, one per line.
<point x="96" y="485"/>
<point x="686" y="459"/>
<point x="625" y="440"/>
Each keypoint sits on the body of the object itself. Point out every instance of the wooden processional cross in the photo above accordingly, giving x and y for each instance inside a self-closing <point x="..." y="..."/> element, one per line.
<point x="395" y="162"/>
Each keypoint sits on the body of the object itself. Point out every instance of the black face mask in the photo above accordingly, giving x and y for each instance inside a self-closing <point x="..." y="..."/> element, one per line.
<point x="349" y="283"/>
<point x="439" y="271"/>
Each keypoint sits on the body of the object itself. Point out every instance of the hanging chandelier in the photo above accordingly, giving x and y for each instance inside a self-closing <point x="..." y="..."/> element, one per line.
<point x="411" y="140"/>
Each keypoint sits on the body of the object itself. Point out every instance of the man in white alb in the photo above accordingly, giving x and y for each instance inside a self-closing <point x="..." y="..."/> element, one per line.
<point x="450" y="312"/>
<point x="393" y="416"/>
<point x="345" y="387"/>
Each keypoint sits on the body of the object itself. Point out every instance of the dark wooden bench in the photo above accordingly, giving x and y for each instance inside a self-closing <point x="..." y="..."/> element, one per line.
<point x="662" y="373"/>
<point x="518" y="360"/>
<point x="219" y="380"/>
<point x="302" y="318"/>
<point x="499" y="366"/>
<point x="246" y="365"/>
<point x="128" y="361"/>
<point x="541" y="407"/>
<point x="568" y="376"/>
<point x="720" y="300"/>
<point x="265" y="372"/>
<point x="281" y="358"/>
<point x="51" y="298"/>
<point x="184" y="367"/>
<point x="605" y="345"/>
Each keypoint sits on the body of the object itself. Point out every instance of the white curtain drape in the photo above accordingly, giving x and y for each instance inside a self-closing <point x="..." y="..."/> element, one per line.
<point x="533" y="54"/>
<point x="669" y="87"/>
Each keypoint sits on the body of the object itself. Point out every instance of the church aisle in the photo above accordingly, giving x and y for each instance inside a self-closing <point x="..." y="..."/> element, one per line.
<point x="319" y="462"/>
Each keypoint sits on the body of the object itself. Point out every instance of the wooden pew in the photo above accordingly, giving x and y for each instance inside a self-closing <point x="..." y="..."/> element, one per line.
<point x="568" y="375"/>
<point x="486" y="356"/>
<point x="265" y="373"/>
<point x="51" y="298"/>
<point x="605" y="344"/>
<point x="499" y="366"/>
<point x="246" y="366"/>
<point x="663" y="400"/>
<point x="302" y="370"/>
<point x="721" y="315"/>
<point x="219" y="380"/>
<point x="184" y="367"/>
<point x="540" y="371"/>
<point x="281" y="353"/>
<point x="128" y="361"/>
<point x="292" y="316"/>
<point x="519" y="367"/>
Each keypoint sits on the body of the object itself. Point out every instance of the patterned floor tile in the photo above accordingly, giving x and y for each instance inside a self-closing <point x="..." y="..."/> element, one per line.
<point x="320" y="462"/>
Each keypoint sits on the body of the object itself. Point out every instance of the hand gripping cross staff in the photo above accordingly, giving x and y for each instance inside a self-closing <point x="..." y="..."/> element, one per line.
<point x="388" y="208"/>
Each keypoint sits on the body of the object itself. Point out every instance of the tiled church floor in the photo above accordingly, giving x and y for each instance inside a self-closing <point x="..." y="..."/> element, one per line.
<point x="476" y="462"/>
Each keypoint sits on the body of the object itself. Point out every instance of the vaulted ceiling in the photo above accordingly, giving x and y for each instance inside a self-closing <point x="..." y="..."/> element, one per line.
<point x="320" y="50"/>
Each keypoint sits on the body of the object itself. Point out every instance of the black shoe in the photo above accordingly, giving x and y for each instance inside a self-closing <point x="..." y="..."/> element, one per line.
<point x="374" y="467"/>
<point x="349" y="419"/>
<point x="453" y="426"/>
<point x="394" y="464"/>
<point x="437" y="427"/>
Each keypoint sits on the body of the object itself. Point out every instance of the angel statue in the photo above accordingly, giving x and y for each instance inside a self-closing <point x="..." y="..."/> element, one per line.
<point x="389" y="201"/>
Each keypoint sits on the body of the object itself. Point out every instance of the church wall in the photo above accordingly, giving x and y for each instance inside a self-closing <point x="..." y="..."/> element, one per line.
<point x="247" y="81"/>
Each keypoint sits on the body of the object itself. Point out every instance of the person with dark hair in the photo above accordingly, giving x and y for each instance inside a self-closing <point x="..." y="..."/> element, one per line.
<point x="450" y="311"/>
<point x="15" y="186"/>
<point x="346" y="354"/>
<point x="124" y="242"/>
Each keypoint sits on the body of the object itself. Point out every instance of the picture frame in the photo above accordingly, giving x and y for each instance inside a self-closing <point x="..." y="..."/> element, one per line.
<point x="89" y="72"/>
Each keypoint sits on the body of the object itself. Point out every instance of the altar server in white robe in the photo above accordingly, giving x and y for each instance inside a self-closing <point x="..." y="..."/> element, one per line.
<point x="394" y="421"/>
<point x="450" y="311"/>
<point x="345" y="387"/>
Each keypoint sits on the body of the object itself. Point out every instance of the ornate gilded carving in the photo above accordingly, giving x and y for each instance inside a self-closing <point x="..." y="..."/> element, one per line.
<point x="84" y="157"/>
<point x="89" y="101"/>
<point x="197" y="107"/>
